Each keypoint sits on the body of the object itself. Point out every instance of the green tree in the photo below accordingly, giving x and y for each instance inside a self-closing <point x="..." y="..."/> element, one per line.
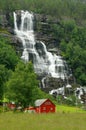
<point x="8" y="55"/>
<point x="23" y="85"/>
<point x="4" y="76"/>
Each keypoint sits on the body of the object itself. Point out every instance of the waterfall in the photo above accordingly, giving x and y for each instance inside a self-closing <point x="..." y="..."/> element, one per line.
<point x="44" y="62"/>
<point x="43" y="84"/>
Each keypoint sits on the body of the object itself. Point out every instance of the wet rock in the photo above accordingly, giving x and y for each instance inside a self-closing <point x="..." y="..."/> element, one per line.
<point x="43" y="32"/>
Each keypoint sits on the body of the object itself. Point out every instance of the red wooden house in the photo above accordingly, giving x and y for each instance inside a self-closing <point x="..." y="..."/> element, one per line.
<point x="44" y="106"/>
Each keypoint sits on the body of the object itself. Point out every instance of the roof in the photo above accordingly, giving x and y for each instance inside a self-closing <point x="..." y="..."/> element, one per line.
<point x="40" y="102"/>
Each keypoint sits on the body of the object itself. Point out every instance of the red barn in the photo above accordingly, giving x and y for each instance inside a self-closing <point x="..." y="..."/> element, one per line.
<point x="44" y="106"/>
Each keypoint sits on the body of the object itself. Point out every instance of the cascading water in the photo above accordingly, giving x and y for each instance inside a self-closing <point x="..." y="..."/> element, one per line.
<point x="43" y="61"/>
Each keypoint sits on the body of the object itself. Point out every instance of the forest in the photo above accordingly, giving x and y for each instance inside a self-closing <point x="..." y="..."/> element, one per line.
<point x="73" y="9"/>
<point x="70" y="33"/>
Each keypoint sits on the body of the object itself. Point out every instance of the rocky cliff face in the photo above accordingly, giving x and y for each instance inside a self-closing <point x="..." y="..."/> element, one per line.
<point x="43" y="32"/>
<point x="42" y="28"/>
<point x="7" y="30"/>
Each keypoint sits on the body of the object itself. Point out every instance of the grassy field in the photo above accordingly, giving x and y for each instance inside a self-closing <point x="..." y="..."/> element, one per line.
<point x="66" y="118"/>
<point x="69" y="109"/>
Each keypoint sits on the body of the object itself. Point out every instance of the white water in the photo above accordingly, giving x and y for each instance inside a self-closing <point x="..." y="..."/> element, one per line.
<point x="44" y="61"/>
<point x="43" y="84"/>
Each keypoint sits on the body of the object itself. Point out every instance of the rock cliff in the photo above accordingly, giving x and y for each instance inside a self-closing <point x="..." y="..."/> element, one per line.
<point x="42" y="28"/>
<point x="43" y="32"/>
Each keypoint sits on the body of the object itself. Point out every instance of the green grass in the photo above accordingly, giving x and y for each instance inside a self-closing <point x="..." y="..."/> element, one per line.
<point x="66" y="118"/>
<point x="69" y="109"/>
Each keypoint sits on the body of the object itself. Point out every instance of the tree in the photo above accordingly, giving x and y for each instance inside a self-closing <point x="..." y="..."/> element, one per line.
<point x="4" y="76"/>
<point x="8" y="61"/>
<point x="23" y="85"/>
<point x="74" y="50"/>
<point x="8" y="55"/>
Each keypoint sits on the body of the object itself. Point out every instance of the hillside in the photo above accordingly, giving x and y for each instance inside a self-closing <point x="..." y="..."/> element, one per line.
<point x="61" y="25"/>
<point x="61" y="9"/>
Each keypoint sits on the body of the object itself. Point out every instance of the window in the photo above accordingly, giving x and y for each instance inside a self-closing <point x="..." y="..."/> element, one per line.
<point x="51" y="108"/>
<point x="44" y="108"/>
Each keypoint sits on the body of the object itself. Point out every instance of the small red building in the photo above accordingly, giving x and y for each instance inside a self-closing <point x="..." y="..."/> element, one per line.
<point x="12" y="105"/>
<point x="30" y="109"/>
<point x="44" y="106"/>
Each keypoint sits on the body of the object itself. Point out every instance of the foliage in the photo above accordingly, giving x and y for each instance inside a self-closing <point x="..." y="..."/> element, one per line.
<point x="8" y="60"/>
<point x="8" y="56"/>
<point x="23" y="85"/>
<point x="71" y="40"/>
<point x="74" y="50"/>
<point x="74" y="8"/>
<point x="4" y="76"/>
<point x="70" y="100"/>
